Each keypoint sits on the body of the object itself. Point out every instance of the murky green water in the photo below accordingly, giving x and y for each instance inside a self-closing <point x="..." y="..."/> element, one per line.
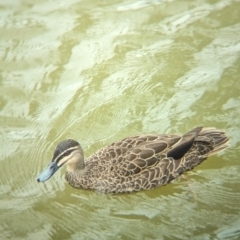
<point x="98" y="71"/>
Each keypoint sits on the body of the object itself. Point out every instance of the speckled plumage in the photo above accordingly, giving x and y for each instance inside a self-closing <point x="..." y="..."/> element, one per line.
<point x="139" y="162"/>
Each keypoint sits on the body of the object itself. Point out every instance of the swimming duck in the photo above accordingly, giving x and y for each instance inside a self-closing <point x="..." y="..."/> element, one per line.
<point x="135" y="163"/>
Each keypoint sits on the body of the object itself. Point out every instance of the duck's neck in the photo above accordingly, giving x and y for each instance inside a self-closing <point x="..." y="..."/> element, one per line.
<point x="74" y="167"/>
<point x="78" y="163"/>
<point x="75" y="174"/>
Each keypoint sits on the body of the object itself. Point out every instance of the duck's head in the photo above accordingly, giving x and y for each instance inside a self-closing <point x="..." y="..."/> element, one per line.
<point x="67" y="152"/>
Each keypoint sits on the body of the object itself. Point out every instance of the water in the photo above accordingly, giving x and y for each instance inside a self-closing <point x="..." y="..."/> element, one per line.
<point x="98" y="71"/>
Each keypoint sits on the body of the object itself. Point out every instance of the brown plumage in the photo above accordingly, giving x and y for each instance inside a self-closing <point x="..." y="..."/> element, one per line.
<point x="136" y="163"/>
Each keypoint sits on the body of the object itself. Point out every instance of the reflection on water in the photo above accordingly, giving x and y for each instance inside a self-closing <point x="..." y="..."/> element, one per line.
<point x="97" y="72"/>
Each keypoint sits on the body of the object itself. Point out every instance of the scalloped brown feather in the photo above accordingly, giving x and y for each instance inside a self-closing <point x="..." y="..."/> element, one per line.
<point x="145" y="162"/>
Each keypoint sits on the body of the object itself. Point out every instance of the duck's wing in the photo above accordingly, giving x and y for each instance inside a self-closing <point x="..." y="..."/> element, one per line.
<point x="147" y="154"/>
<point x="134" y="154"/>
<point x="150" y="152"/>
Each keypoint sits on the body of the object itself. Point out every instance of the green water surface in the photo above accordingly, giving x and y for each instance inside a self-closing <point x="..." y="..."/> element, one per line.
<point x="99" y="71"/>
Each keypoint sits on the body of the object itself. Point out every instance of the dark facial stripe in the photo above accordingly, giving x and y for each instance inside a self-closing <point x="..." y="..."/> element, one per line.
<point x="64" y="154"/>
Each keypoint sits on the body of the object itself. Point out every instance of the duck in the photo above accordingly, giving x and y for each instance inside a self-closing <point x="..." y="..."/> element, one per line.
<point x="135" y="163"/>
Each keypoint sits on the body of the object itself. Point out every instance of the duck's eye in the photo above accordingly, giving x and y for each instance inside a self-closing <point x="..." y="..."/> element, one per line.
<point x="66" y="153"/>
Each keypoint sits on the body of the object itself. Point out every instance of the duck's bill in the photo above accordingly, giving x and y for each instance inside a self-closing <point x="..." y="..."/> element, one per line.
<point x="48" y="172"/>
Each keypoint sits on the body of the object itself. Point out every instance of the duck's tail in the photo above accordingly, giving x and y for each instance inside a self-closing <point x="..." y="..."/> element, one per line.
<point x="211" y="141"/>
<point x="206" y="142"/>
